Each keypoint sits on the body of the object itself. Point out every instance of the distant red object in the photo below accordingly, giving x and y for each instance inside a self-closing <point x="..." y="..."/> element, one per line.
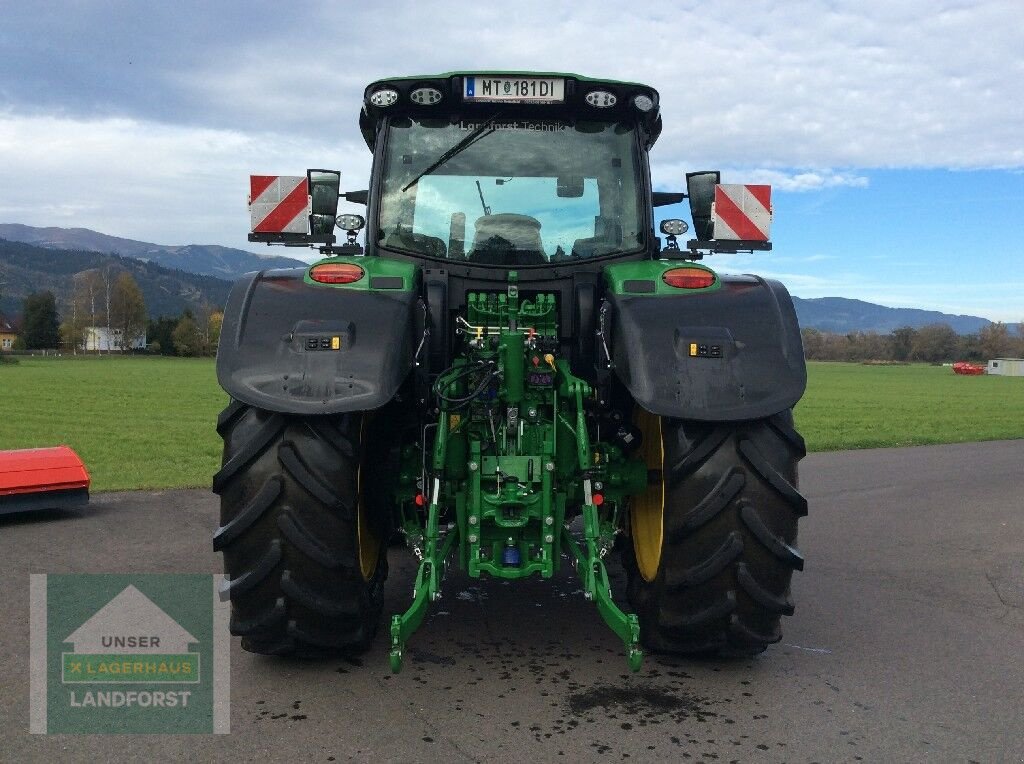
<point x="42" y="478"/>
<point x="968" y="369"/>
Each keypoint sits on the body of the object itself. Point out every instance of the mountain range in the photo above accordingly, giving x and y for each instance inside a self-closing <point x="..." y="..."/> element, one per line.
<point x="25" y="268"/>
<point x="173" y="278"/>
<point x="840" y="315"/>
<point x="204" y="259"/>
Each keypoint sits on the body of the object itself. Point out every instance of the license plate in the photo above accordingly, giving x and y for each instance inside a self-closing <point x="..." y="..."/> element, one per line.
<point x="513" y="89"/>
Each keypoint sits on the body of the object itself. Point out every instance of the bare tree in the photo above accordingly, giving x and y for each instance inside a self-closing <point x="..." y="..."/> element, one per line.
<point x="91" y="286"/>
<point x="81" y="310"/>
<point x="73" y="333"/>
<point x="106" y="286"/>
<point x="202" y="318"/>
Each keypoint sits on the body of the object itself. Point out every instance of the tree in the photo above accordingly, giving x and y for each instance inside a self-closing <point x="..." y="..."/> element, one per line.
<point x="901" y="342"/>
<point x="1017" y="348"/>
<point x="814" y="343"/>
<point x="214" y="323"/>
<point x="865" y="346"/>
<point x="188" y="341"/>
<point x="968" y="348"/>
<point x="86" y="306"/>
<point x="106" y="290"/>
<point x="70" y="337"/>
<point x="71" y="330"/>
<point x="76" y="314"/>
<point x="127" y="310"/>
<point x="202" y="318"/>
<point x="160" y="332"/>
<point x="995" y="341"/>
<point x="934" y="343"/>
<point x="40" y="326"/>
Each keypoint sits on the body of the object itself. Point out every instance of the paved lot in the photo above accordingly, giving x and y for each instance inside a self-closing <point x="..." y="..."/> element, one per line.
<point x="907" y="643"/>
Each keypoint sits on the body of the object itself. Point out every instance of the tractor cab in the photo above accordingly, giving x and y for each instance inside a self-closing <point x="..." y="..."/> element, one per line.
<point x="510" y="171"/>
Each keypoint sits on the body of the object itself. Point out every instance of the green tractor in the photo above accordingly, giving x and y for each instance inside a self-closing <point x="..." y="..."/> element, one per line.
<point x="515" y="371"/>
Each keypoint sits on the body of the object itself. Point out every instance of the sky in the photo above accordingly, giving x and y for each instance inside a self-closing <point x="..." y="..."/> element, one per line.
<point x="892" y="132"/>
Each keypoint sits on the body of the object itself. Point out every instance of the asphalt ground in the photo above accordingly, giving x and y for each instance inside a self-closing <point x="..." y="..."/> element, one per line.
<point x="907" y="643"/>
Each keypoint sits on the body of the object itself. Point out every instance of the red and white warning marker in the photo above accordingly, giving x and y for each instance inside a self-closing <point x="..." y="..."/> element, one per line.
<point x="742" y="212"/>
<point x="279" y="203"/>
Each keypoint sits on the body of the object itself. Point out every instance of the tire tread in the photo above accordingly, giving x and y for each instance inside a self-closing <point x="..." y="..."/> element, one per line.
<point x="731" y="511"/>
<point x="288" y="533"/>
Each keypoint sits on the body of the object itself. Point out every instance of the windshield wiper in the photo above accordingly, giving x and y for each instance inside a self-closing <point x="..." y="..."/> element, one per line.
<point x="478" y="132"/>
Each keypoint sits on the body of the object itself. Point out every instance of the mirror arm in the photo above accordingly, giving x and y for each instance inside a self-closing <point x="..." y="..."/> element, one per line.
<point x="664" y="198"/>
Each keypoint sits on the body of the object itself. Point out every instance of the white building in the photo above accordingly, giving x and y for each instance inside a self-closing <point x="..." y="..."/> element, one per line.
<point x="1007" y="367"/>
<point x="97" y="339"/>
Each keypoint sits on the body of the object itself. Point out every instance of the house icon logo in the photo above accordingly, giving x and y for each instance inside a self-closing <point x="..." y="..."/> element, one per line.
<point x="130" y="639"/>
<point x="119" y="653"/>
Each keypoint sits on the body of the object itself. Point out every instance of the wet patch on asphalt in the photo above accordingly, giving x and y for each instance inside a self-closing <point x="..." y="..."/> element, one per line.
<point x="649" y="704"/>
<point x="262" y="713"/>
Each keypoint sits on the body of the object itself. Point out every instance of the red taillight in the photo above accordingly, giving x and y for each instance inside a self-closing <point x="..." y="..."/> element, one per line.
<point x="336" y="273"/>
<point x="688" y="278"/>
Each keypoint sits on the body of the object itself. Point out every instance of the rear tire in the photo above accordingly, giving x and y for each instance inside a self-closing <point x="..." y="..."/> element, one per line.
<point x="727" y="554"/>
<point x="301" y="578"/>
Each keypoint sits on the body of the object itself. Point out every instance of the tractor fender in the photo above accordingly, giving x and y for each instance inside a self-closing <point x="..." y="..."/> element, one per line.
<point x="727" y="354"/>
<point x="296" y="347"/>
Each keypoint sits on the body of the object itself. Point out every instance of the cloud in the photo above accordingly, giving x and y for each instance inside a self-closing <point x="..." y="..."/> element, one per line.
<point x="808" y="180"/>
<point x="793" y="180"/>
<point x="164" y="183"/>
<point x="753" y="84"/>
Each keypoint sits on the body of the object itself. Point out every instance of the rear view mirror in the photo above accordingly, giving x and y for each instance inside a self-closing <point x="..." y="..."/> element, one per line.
<point x="700" y="187"/>
<point x="324" y="186"/>
<point x="570" y="186"/>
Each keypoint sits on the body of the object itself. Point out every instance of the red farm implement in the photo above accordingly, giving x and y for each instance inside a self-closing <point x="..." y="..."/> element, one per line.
<point x="968" y="369"/>
<point x="42" y="478"/>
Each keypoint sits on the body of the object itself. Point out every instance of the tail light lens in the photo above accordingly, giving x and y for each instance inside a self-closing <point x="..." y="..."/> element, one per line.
<point x="688" y="278"/>
<point x="336" y="273"/>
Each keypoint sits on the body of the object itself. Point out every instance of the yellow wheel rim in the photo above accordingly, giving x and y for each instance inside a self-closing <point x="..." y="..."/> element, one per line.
<point x="647" y="510"/>
<point x="369" y="543"/>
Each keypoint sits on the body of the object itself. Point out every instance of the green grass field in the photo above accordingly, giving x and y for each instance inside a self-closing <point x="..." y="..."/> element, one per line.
<point x="855" y="406"/>
<point x="149" y="422"/>
<point x="136" y="422"/>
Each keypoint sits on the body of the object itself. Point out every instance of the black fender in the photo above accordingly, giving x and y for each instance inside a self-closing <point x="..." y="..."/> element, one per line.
<point x="748" y="361"/>
<point x="299" y="348"/>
